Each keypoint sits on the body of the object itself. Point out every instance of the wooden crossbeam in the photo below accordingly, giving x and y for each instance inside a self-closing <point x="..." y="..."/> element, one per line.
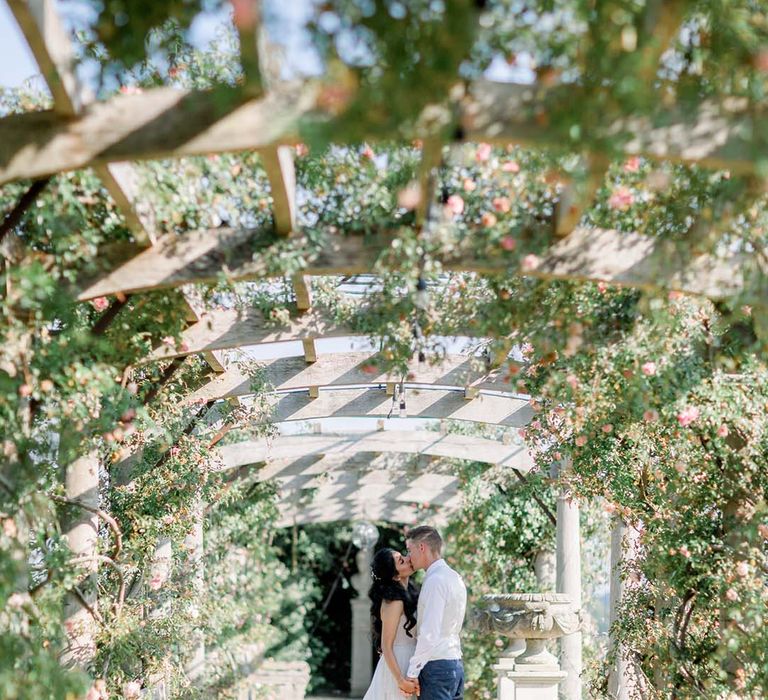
<point x="422" y="402"/>
<point x="629" y="259"/>
<point x="349" y="369"/>
<point x="167" y="123"/>
<point x="159" y="123"/>
<point x="220" y="330"/>
<point x="50" y="45"/>
<point x="452" y="446"/>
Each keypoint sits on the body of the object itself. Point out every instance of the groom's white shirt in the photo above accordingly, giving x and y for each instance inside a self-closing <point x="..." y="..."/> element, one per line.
<point x="439" y="617"/>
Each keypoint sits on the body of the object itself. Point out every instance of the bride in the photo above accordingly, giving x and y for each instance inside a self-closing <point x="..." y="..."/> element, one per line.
<point x="393" y="612"/>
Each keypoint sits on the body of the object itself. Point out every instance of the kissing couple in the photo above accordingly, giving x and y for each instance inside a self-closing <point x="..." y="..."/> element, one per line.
<point x="417" y="632"/>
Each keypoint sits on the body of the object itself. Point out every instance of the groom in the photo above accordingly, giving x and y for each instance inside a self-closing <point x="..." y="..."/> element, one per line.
<point x="435" y="671"/>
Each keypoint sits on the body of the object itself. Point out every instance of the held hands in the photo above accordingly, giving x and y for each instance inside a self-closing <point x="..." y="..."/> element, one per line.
<point x="409" y="686"/>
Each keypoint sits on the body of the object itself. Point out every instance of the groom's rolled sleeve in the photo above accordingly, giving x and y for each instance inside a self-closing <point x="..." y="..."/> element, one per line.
<point x="430" y="627"/>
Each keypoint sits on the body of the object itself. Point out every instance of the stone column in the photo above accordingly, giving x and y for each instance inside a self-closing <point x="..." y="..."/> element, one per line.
<point x="569" y="583"/>
<point x="81" y="528"/>
<point x="362" y="652"/>
<point x="623" y="682"/>
<point x="195" y="662"/>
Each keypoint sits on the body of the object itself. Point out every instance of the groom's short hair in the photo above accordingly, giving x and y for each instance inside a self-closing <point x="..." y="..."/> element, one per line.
<point x="428" y="535"/>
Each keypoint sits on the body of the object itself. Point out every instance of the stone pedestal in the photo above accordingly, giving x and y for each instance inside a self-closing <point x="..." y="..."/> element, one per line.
<point x="530" y="672"/>
<point x="532" y="685"/>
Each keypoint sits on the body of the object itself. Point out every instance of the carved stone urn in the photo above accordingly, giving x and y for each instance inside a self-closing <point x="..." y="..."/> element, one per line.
<point x="534" y="617"/>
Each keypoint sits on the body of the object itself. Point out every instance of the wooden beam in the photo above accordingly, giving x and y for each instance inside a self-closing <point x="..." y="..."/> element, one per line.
<point x="303" y="291"/>
<point x="169" y="123"/>
<point x="310" y="351"/>
<point x="426" y="403"/>
<point x="225" y="329"/>
<point x="627" y="259"/>
<point x="278" y="163"/>
<point x="159" y="123"/>
<point x="452" y="446"/>
<point x="53" y="51"/>
<point x="715" y="135"/>
<point x="351" y="369"/>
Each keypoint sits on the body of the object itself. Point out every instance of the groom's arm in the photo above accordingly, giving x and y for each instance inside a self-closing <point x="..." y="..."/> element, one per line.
<point x="430" y="626"/>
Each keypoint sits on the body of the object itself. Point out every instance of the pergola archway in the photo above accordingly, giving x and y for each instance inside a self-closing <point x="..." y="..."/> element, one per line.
<point x="79" y="132"/>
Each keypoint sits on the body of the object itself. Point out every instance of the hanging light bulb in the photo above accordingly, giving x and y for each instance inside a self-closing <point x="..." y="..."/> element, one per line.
<point x="422" y="357"/>
<point x="421" y="297"/>
<point x="403" y="410"/>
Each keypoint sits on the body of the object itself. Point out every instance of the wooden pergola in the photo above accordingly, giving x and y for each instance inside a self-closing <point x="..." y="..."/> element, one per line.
<point x="170" y="123"/>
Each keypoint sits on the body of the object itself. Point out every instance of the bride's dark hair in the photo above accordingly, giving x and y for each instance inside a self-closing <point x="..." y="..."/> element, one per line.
<point x="386" y="588"/>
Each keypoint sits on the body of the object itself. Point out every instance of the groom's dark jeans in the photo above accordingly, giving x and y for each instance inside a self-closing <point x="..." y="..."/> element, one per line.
<point x="442" y="680"/>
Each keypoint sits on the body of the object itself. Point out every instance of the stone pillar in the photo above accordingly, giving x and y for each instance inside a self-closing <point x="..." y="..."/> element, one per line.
<point x="195" y="662"/>
<point x="569" y="583"/>
<point x="545" y="568"/>
<point x="81" y="529"/>
<point x="623" y="682"/>
<point x="362" y="652"/>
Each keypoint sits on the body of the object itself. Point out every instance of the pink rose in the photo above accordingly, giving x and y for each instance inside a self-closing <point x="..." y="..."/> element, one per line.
<point x="483" y="152"/>
<point x="508" y="243"/>
<point x="573" y="381"/>
<point x="100" y="303"/>
<point x="650" y="416"/>
<point x="760" y="60"/>
<point x="685" y="552"/>
<point x="674" y="296"/>
<point x="511" y="166"/>
<point x="632" y="164"/>
<point x="301" y="150"/>
<point x="367" y="152"/>
<point x="488" y="220"/>
<point x="687" y="416"/>
<point x="742" y="569"/>
<point x="156" y="582"/>
<point x="455" y="204"/>
<point x="649" y="369"/>
<point x="602" y="287"/>
<point x="607" y="428"/>
<point x="722" y="431"/>
<point x="581" y="440"/>
<point x="621" y="199"/>
<point x="530" y="262"/>
<point x="502" y="204"/>
<point x="763" y="530"/>
<point x="732" y="595"/>
<point x="469" y="184"/>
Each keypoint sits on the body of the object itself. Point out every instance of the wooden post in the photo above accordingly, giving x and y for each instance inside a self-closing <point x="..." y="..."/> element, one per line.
<point x="81" y="528"/>
<point x="569" y="582"/>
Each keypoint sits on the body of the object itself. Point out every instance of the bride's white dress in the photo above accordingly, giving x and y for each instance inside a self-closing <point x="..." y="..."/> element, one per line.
<point x="384" y="684"/>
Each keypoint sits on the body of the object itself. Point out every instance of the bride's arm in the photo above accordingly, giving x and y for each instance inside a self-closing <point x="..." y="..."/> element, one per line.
<point x="391" y="611"/>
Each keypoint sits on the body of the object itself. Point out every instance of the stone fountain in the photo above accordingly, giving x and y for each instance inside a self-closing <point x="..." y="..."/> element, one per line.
<point x="529" y="672"/>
